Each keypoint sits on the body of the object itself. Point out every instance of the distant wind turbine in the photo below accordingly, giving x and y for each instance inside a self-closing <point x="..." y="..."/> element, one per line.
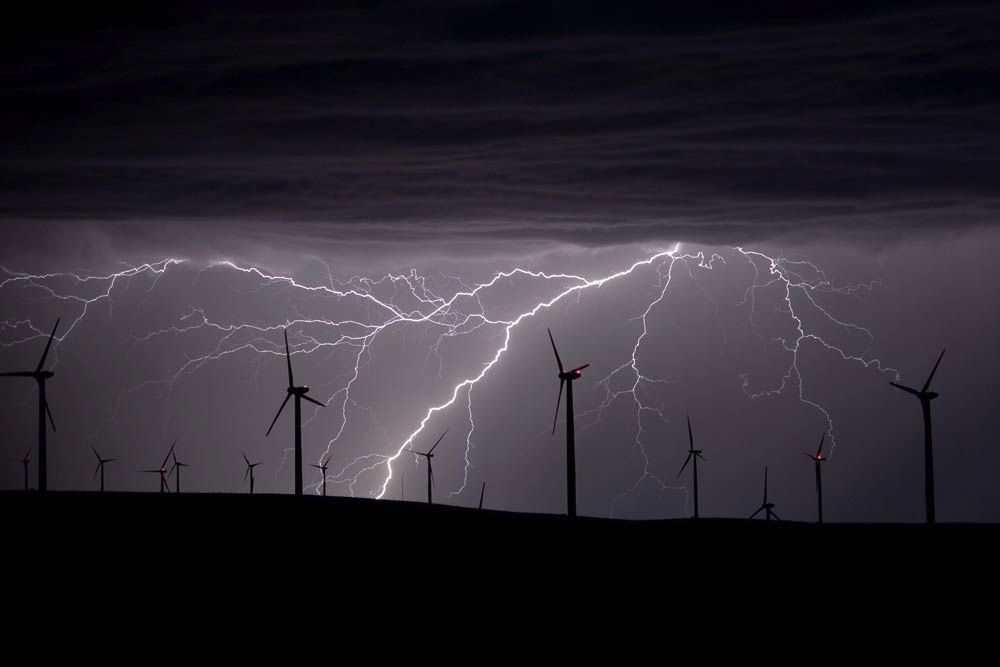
<point x="40" y="377"/>
<point x="429" y="455"/>
<point x="692" y="457"/>
<point x="249" y="472"/>
<point x="566" y="379"/>
<point x="162" y="470"/>
<point x="322" y="468"/>
<point x="766" y="507"/>
<point x="100" y="467"/>
<point x="176" y="468"/>
<point x="925" y="397"/>
<point x="300" y="394"/>
<point x="25" y="461"/>
<point x="818" y="458"/>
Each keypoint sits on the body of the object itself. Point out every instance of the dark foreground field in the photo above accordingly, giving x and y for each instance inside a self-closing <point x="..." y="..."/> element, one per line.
<point x="260" y="519"/>
<point x="134" y="544"/>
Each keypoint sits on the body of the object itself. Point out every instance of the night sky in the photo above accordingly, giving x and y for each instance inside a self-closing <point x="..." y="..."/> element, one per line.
<point x="794" y="203"/>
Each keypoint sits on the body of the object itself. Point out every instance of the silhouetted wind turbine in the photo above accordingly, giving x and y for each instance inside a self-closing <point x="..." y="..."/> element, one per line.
<point x="430" y="469"/>
<point x="766" y="506"/>
<point x="322" y="468"/>
<point x="299" y="393"/>
<point x="40" y="376"/>
<point x="249" y="472"/>
<point x="162" y="470"/>
<point x="566" y="379"/>
<point x="818" y="458"/>
<point x="25" y="461"/>
<point x="482" y="493"/>
<point x="693" y="455"/>
<point x="925" y="397"/>
<point x="100" y="467"/>
<point x="177" y="468"/>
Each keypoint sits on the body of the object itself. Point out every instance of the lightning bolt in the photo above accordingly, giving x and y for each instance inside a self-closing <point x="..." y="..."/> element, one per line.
<point x="395" y="301"/>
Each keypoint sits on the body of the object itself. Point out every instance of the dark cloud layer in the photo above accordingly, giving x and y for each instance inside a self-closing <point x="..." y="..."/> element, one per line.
<point x="468" y="121"/>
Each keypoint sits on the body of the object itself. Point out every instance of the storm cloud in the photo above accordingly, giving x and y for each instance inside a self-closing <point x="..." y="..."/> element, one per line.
<point x="474" y="122"/>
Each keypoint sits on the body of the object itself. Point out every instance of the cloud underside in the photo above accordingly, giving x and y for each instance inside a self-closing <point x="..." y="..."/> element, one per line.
<point x="432" y="126"/>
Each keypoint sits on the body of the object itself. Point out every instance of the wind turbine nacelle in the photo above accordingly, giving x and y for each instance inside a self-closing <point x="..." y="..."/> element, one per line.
<point x="931" y="395"/>
<point x="571" y="375"/>
<point x="301" y="391"/>
<point x="44" y="375"/>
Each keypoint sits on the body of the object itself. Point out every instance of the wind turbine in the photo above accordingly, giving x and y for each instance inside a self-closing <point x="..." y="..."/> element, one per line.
<point x="162" y="470"/>
<point x="25" y="461"/>
<point x="693" y="455"/>
<point x="430" y="469"/>
<point x="40" y="376"/>
<point x="322" y="468"/>
<point x="482" y="493"/>
<point x="249" y="472"/>
<point x="566" y="379"/>
<point x="299" y="393"/>
<point x="100" y="467"/>
<point x="177" y="468"/>
<point x="765" y="506"/>
<point x="925" y="397"/>
<point x="818" y="458"/>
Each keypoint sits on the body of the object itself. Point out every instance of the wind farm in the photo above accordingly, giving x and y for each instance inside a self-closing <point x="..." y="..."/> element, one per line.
<point x="172" y="466"/>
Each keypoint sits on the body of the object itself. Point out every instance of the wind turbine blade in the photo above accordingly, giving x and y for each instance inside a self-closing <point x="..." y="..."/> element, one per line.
<point x="775" y="514"/>
<point x="438" y="442"/>
<point x="273" y="421"/>
<point x="316" y="466"/>
<point x="97" y="470"/>
<point x="18" y="374"/>
<point x="905" y="388"/>
<point x="701" y="457"/>
<point x="690" y="434"/>
<point x="326" y="460"/>
<point x="28" y="453"/>
<point x="810" y="456"/>
<point x="245" y="457"/>
<point x="555" y="420"/>
<point x="580" y="368"/>
<point x="685" y="465"/>
<point x="553" y="341"/>
<point x="759" y="510"/>
<point x="95" y="452"/>
<point x="820" y="450"/>
<point x="322" y="405"/>
<point x="169" y="453"/>
<point x="49" y="413"/>
<point x="288" y="358"/>
<point x="765" y="485"/>
<point x="931" y="376"/>
<point x="41" y="362"/>
<point x="246" y="474"/>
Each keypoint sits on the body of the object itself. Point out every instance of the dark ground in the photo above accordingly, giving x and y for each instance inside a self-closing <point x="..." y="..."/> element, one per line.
<point x="170" y="519"/>
<point x="268" y="552"/>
